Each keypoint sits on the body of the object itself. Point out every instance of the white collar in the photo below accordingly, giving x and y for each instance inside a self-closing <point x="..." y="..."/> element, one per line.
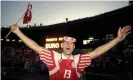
<point x="64" y="57"/>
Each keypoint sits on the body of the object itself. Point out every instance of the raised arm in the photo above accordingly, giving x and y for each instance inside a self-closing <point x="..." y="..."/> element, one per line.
<point x="29" y="42"/>
<point x="122" y="33"/>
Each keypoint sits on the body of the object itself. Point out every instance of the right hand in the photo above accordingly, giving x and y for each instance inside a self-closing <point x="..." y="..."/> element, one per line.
<point x="15" y="28"/>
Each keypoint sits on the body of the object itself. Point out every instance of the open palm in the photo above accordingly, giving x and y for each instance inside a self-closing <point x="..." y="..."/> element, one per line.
<point x="123" y="32"/>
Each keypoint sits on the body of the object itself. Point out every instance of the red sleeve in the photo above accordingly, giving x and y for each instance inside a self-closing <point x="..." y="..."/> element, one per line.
<point x="47" y="56"/>
<point x="84" y="61"/>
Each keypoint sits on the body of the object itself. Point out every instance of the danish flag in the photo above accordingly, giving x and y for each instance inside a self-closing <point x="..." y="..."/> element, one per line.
<point x="28" y="14"/>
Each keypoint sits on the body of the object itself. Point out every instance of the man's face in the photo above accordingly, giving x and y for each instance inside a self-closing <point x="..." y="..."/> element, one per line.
<point x="68" y="47"/>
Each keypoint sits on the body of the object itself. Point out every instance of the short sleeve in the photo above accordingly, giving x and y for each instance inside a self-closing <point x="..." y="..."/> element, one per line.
<point x="84" y="61"/>
<point x="47" y="57"/>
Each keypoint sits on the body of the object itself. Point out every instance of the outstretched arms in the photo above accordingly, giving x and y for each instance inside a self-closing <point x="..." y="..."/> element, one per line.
<point x="46" y="56"/>
<point x="121" y="35"/>
<point x="30" y="43"/>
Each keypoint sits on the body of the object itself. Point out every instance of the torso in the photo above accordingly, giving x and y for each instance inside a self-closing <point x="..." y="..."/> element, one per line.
<point x="61" y="68"/>
<point x="67" y="69"/>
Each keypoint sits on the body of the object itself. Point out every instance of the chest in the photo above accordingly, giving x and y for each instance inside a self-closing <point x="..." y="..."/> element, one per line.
<point x="67" y="68"/>
<point x="67" y="64"/>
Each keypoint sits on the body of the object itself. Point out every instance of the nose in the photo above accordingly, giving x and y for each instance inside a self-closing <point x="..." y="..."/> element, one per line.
<point x="68" y="44"/>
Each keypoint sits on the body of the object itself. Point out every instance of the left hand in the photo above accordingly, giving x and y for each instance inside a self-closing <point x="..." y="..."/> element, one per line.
<point x="122" y="33"/>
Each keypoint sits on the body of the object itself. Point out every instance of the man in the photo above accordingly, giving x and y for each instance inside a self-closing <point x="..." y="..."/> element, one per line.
<point x="65" y="66"/>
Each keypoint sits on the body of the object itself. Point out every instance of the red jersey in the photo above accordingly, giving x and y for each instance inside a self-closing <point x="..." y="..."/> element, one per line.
<point x="61" y="68"/>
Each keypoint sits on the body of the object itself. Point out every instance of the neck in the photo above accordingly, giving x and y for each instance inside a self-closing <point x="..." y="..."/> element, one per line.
<point x="67" y="55"/>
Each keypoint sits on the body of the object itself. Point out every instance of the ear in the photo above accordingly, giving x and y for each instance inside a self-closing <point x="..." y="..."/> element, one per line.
<point x="61" y="45"/>
<point x="74" y="46"/>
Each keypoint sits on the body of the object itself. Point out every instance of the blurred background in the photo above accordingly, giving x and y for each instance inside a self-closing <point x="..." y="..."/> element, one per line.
<point x="19" y="62"/>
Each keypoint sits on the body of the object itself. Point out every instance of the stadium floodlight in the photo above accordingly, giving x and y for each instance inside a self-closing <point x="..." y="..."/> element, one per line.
<point x="20" y="40"/>
<point x="7" y="40"/>
<point x="91" y="38"/>
<point x="84" y="42"/>
<point x="13" y="40"/>
<point x="2" y="39"/>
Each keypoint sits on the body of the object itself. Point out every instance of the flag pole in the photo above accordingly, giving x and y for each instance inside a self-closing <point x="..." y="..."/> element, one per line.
<point x="19" y="20"/>
<point x="16" y="23"/>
